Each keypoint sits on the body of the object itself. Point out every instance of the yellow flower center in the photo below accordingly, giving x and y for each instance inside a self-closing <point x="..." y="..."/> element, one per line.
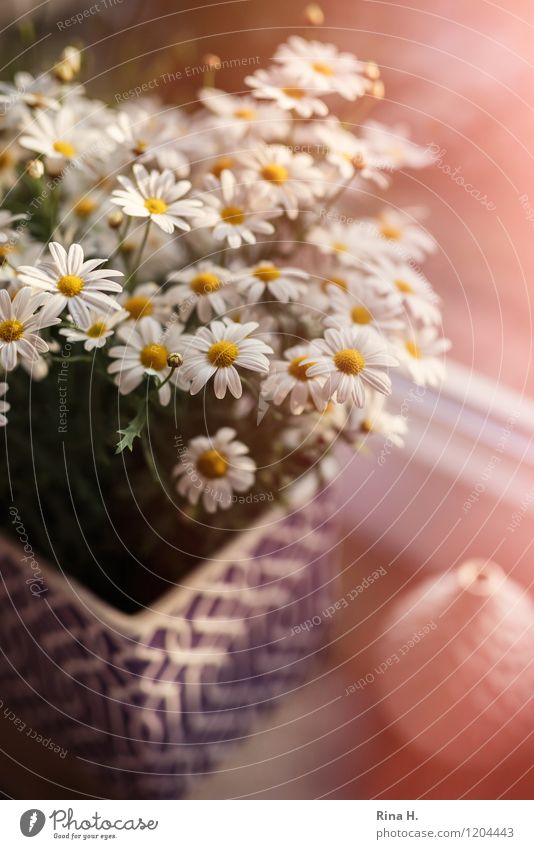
<point x="205" y="283"/>
<point x="274" y="173"/>
<point x="139" y="306"/>
<point x="245" y="114"/>
<point x="413" y="349"/>
<point x="156" y="206"/>
<point x="361" y="315"/>
<point x="64" y="148"/>
<point x="366" y="426"/>
<point x="295" y="93"/>
<point x="340" y="282"/>
<point x="299" y="371"/>
<point x="139" y="147"/>
<point x="127" y="247"/>
<point x="5" y="250"/>
<point x="233" y="215"/>
<point x="323" y="68"/>
<point x="404" y="287"/>
<point x="390" y="232"/>
<point x="154" y="356"/>
<point x="212" y="464"/>
<point x="340" y="247"/>
<point x="36" y="100"/>
<point x="85" y="207"/>
<point x="11" y="330"/>
<point x="6" y="159"/>
<point x="359" y="162"/>
<point x="223" y="354"/>
<point x="70" y="285"/>
<point x="349" y="361"/>
<point x="267" y="273"/>
<point x="97" y="329"/>
<point x="222" y="164"/>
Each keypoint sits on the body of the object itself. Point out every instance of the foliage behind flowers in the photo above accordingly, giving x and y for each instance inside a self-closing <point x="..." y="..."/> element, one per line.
<point x="194" y="280"/>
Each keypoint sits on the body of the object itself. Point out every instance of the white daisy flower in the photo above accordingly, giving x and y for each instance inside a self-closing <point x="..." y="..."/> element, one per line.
<point x="234" y="212"/>
<point x="149" y="137"/>
<point x="147" y="299"/>
<point x="146" y="350"/>
<point x="10" y="236"/>
<point x="281" y="177"/>
<point x="217" y="351"/>
<point x="158" y="196"/>
<point x="201" y="288"/>
<point x="393" y="146"/>
<point x="421" y="355"/>
<point x="349" y="155"/>
<point x="239" y="117"/>
<point x="278" y="85"/>
<point x="351" y="358"/>
<point x="21" y="319"/>
<point x="65" y="136"/>
<point x="73" y="281"/>
<point x="290" y="377"/>
<point x="418" y="296"/>
<point x="351" y="244"/>
<point x="4" y="406"/>
<point x="267" y="280"/>
<point x="7" y="232"/>
<point x="362" y="304"/>
<point x="374" y="420"/>
<point x="13" y="255"/>
<point x="322" y="68"/>
<point x="10" y="156"/>
<point x="403" y="235"/>
<point x="27" y="93"/>
<point x="82" y="205"/>
<point x="96" y="330"/>
<point x="214" y="468"/>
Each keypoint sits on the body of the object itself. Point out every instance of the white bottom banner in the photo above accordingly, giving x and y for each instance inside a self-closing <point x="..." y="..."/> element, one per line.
<point x="268" y="824"/>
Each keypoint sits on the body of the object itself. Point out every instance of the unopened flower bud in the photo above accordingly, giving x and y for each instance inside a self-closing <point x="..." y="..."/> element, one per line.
<point x="63" y="72"/>
<point x="372" y="71"/>
<point x="212" y="61"/>
<point x="314" y="15"/>
<point x="115" y="219"/>
<point x="378" y="90"/>
<point x="126" y="247"/>
<point x="69" y="65"/>
<point x="175" y="360"/>
<point x="35" y="169"/>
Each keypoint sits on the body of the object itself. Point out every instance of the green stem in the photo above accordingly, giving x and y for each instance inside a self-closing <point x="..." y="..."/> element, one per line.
<point x="162" y="383"/>
<point x="78" y="358"/>
<point x="131" y="279"/>
<point x="122" y="237"/>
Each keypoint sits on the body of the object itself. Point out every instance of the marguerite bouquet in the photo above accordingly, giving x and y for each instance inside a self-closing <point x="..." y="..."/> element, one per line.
<point x="197" y="305"/>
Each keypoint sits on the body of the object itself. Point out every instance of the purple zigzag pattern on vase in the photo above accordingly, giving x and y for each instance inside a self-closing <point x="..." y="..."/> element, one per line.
<point x="148" y="702"/>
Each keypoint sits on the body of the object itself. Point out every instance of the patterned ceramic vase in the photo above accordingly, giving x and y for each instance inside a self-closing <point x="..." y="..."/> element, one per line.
<point x="457" y="675"/>
<point x="146" y="701"/>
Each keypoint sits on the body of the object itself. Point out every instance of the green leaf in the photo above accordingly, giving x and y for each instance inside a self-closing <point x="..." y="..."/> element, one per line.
<point x="132" y="431"/>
